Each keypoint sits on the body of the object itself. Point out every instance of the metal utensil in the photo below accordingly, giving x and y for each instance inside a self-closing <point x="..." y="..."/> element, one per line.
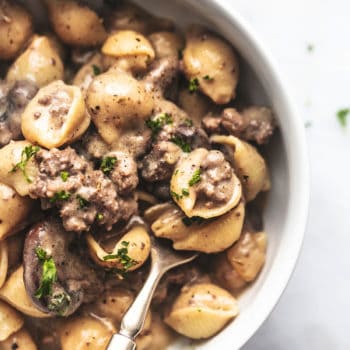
<point x="163" y="259"/>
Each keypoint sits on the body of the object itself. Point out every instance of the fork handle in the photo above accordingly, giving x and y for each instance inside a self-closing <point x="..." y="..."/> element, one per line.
<point x="134" y="319"/>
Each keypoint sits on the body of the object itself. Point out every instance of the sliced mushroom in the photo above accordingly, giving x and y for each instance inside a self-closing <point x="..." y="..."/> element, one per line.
<point x="196" y="234"/>
<point x="20" y="340"/>
<point x="3" y="262"/>
<point x="55" y="116"/>
<point x="76" y="281"/>
<point x="250" y="166"/>
<point x="166" y="44"/>
<point x="204" y="184"/>
<point x="212" y="63"/>
<point x="40" y="63"/>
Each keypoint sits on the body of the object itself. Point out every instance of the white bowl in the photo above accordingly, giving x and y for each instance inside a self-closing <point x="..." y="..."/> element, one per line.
<point x="286" y="213"/>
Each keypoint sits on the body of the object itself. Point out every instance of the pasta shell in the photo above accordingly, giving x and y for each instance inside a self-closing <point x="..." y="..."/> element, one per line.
<point x="3" y="262"/>
<point x="85" y="333"/>
<point x="10" y="321"/>
<point x="202" y="310"/>
<point x="190" y="203"/>
<point x="248" y="163"/>
<point x="55" y="116"/>
<point x="136" y="242"/>
<point x="14" y="293"/>
<point x="208" y="237"/>
<point x="19" y="340"/>
<point x="11" y="155"/>
<point x="40" y="63"/>
<point x="13" y="210"/>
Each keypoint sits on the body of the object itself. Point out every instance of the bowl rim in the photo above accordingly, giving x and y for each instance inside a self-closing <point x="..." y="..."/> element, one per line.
<point x="250" y="45"/>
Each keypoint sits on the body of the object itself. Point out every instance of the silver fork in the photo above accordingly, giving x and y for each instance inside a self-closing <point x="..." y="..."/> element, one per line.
<point x="163" y="259"/>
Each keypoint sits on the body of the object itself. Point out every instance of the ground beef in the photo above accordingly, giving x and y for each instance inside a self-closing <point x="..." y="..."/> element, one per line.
<point x="251" y="124"/>
<point x="84" y="197"/>
<point x="124" y="174"/>
<point x="159" y="164"/>
<point x="13" y="100"/>
<point x="215" y="184"/>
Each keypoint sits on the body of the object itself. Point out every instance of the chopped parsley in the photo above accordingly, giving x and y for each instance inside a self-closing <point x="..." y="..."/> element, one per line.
<point x="308" y="124"/>
<point x="27" y="153"/>
<point x="99" y="216"/>
<point x="96" y="69"/>
<point x="310" y="47"/>
<point x="49" y="274"/>
<point x="122" y="256"/>
<point x="108" y="164"/>
<point x="64" y="175"/>
<point x="185" y="192"/>
<point x="181" y="143"/>
<point x="59" y="303"/>
<point x="196" y="177"/>
<point x="193" y="220"/>
<point x="193" y="85"/>
<point x="175" y="195"/>
<point x="60" y="196"/>
<point x="83" y="203"/>
<point x="188" y="122"/>
<point x="342" y="115"/>
<point x="157" y="123"/>
<point x="208" y="78"/>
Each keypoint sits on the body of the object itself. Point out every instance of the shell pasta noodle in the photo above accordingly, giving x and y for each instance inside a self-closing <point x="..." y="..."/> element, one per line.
<point x="118" y="128"/>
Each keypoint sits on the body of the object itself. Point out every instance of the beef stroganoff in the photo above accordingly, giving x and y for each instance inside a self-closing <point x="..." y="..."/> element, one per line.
<point x="115" y="126"/>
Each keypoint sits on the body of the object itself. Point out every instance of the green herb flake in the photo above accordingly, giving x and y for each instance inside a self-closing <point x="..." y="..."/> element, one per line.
<point x="342" y="116"/>
<point x="64" y="175"/>
<point x="181" y="143"/>
<point x="208" y="78"/>
<point x="99" y="216"/>
<point x="27" y="153"/>
<point x="175" y="195"/>
<point x="59" y="303"/>
<point x="185" y="192"/>
<point x="83" y="203"/>
<point x="96" y="69"/>
<point x="60" y="196"/>
<point x="108" y="164"/>
<point x="196" y="177"/>
<point x="310" y="48"/>
<point x="188" y="122"/>
<point x="193" y="85"/>
<point x="308" y="124"/>
<point x="193" y="220"/>
<point x="157" y="123"/>
<point x="49" y="274"/>
<point x="122" y="256"/>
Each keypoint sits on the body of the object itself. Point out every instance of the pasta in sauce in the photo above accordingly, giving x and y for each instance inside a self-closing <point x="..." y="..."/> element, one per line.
<point x="116" y="127"/>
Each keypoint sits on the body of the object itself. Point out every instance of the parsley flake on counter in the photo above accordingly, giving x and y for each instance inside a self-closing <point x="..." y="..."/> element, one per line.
<point x="196" y="177"/>
<point x="27" y="153"/>
<point x="308" y="124"/>
<point x="342" y="116"/>
<point x="122" y="256"/>
<point x="310" y="47"/>
<point x="181" y="143"/>
<point x="60" y="196"/>
<point x="49" y="273"/>
<point x="157" y="123"/>
<point x="108" y="164"/>
<point x="83" y="203"/>
<point x="208" y="78"/>
<point x="64" y="175"/>
<point x="193" y="85"/>
<point x="96" y="69"/>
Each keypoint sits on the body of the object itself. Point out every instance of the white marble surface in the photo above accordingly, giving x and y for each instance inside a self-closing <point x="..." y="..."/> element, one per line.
<point x="313" y="312"/>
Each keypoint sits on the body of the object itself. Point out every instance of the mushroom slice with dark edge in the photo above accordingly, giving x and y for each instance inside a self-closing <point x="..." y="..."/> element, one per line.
<point x="56" y="278"/>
